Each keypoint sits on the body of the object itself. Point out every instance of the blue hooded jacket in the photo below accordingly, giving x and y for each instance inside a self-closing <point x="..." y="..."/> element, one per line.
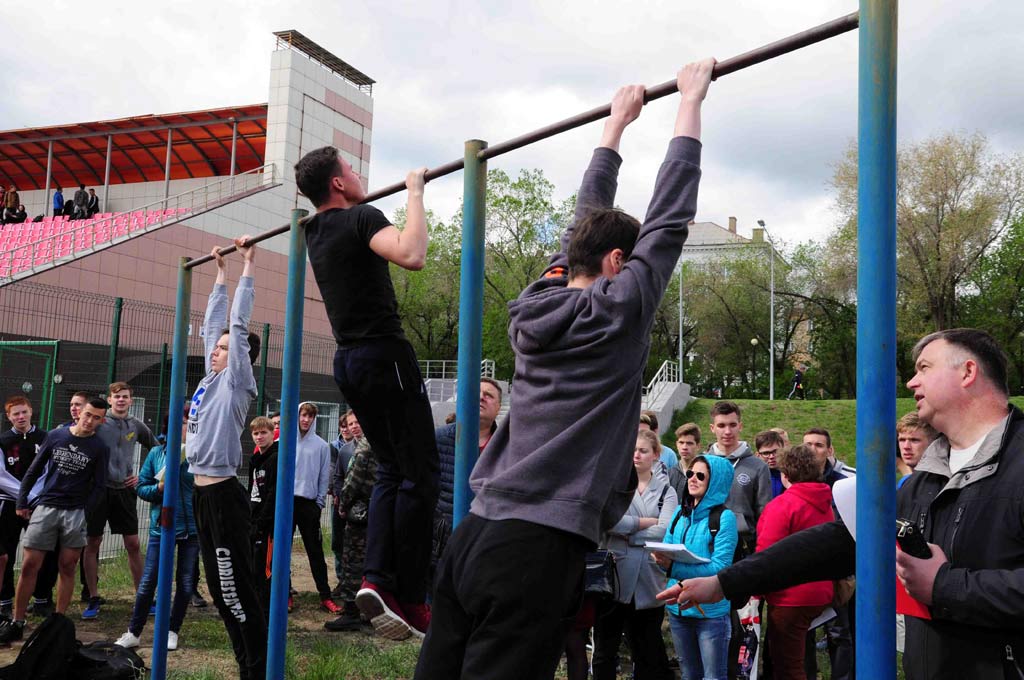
<point x="147" y="490"/>
<point x="693" y="532"/>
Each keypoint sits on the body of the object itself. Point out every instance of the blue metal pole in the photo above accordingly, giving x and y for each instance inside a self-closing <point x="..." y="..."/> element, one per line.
<point x="471" y="314"/>
<point x="290" y="376"/>
<point x="165" y="574"/>
<point x="876" y="341"/>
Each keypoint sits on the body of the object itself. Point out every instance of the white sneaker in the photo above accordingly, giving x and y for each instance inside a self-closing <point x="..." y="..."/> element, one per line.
<point x="172" y="640"/>
<point x="127" y="640"/>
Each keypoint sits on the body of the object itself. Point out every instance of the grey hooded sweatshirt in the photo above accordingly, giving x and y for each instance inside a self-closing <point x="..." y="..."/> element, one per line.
<point x="221" y="401"/>
<point x="121" y="435"/>
<point x="562" y="457"/>
<point x="751" y="491"/>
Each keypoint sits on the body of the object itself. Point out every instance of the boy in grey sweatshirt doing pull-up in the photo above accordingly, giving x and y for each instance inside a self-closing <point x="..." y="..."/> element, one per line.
<point x="214" y="452"/>
<point x="558" y="473"/>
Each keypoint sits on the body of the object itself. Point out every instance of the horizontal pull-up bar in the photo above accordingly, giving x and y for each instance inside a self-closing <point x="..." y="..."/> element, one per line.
<point x="723" y="68"/>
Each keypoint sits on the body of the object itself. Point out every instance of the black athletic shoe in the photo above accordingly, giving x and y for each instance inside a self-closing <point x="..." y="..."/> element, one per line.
<point x="41" y="609"/>
<point x="198" y="601"/>
<point x="345" y="623"/>
<point x="11" y="631"/>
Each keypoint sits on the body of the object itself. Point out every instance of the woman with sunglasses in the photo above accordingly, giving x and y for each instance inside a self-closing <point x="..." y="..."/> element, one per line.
<point x="635" y="610"/>
<point x="701" y="635"/>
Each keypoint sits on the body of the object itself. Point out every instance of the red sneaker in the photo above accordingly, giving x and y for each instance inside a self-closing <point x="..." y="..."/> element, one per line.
<point x="331" y="608"/>
<point x="291" y="604"/>
<point x="383" y="611"/>
<point x="418" y="617"/>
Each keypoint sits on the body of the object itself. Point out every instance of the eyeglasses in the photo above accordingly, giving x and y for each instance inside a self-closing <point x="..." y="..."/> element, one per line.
<point x="690" y="474"/>
<point x="769" y="452"/>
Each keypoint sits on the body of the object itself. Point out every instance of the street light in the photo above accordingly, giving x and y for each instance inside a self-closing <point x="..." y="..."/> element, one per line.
<point x="753" y="370"/>
<point x="771" y="307"/>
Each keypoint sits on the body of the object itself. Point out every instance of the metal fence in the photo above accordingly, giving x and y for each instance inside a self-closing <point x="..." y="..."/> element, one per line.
<point x="96" y="339"/>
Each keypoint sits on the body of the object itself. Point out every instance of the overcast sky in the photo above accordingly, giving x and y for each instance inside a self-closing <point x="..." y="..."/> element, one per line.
<point x="451" y="71"/>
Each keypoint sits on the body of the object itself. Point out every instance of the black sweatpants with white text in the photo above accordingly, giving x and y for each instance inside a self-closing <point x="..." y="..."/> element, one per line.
<point x="222" y="517"/>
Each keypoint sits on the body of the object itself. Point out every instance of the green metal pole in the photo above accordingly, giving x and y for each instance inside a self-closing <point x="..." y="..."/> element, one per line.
<point x="264" y="353"/>
<point x="115" y="338"/>
<point x="53" y="390"/>
<point x="160" y="387"/>
<point x="44" y="400"/>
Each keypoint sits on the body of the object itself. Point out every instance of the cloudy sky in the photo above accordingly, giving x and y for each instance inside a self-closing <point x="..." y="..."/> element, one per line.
<point x="450" y="71"/>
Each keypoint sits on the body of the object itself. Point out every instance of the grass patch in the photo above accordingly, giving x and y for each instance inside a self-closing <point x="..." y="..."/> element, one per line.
<point x="838" y="416"/>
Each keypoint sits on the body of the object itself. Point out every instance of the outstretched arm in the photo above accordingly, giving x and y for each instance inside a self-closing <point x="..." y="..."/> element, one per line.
<point x="216" y="317"/>
<point x="406" y="248"/>
<point x="241" y="309"/>
<point x="601" y="178"/>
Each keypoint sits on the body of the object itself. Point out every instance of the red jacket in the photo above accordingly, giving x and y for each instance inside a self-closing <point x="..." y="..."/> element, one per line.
<point x="802" y="506"/>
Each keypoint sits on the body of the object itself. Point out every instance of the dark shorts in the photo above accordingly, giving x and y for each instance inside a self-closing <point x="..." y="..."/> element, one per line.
<point x="116" y="507"/>
<point x="10" y="528"/>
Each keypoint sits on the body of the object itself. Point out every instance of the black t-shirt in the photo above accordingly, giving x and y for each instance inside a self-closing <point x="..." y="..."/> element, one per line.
<point x="354" y="281"/>
<point x="77" y="472"/>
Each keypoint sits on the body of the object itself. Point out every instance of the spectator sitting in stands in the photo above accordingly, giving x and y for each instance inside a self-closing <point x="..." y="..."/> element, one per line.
<point x="69" y="209"/>
<point x="20" y="215"/>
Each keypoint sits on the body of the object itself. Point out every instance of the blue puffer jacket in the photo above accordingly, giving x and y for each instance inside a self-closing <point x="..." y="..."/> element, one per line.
<point x="184" y="518"/>
<point x="693" y="532"/>
<point x="445" y="437"/>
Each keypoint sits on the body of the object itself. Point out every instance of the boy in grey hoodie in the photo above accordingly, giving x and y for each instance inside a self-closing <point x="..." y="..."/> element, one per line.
<point x="558" y="471"/>
<point x="214" y="452"/>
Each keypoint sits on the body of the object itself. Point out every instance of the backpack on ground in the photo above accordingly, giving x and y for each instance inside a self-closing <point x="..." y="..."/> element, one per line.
<point x="47" y="652"/>
<point x="106" y="661"/>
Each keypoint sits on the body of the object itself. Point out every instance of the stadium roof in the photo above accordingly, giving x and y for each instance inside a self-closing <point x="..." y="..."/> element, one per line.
<point x="299" y="42"/>
<point x="200" y="147"/>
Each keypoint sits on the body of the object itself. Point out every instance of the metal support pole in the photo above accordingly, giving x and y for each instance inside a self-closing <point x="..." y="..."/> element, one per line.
<point x="261" y="399"/>
<point x="106" y="173"/>
<point x="876" y="340"/>
<point x="680" y="321"/>
<point x="115" y="339"/>
<point x="49" y="173"/>
<point x="160" y="388"/>
<point x="165" y="573"/>
<point x="290" y="374"/>
<point x="167" y="167"/>
<point x="234" y="147"/>
<point x="471" y="312"/>
<point x="771" y="330"/>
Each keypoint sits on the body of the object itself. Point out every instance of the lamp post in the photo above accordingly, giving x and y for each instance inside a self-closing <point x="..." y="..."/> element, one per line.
<point x="771" y="309"/>
<point x="753" y="363"/>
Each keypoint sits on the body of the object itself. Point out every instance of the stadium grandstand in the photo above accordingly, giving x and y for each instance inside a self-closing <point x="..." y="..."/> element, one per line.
<point x="87" y="301"/>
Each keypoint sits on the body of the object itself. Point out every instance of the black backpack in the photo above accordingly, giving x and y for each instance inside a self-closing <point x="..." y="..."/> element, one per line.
<point x="106" y="661"/>
<point x="47" y="653"/>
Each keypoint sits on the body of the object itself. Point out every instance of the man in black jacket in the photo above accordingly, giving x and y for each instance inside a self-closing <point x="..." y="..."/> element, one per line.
<point x="966" y="501"/>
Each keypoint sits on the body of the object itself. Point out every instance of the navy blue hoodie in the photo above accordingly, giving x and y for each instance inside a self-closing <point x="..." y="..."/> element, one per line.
<point x="562" y="458"/>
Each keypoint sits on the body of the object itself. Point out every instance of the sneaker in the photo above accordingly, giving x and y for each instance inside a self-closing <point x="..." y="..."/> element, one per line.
<point x="172" y="641"/>
<point x="291" y="604"/>
<point x="197" y="601"/>
<point x="41" y="608"/>
<point x="345" y="623"/>
<point x="383" y="611"/>
<point x="92" y="611"/>
<point x="11" y="631"/>
<point x="330" y="607"/>
<point x="128" y="641"/>
<point x="418" y="618"/>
